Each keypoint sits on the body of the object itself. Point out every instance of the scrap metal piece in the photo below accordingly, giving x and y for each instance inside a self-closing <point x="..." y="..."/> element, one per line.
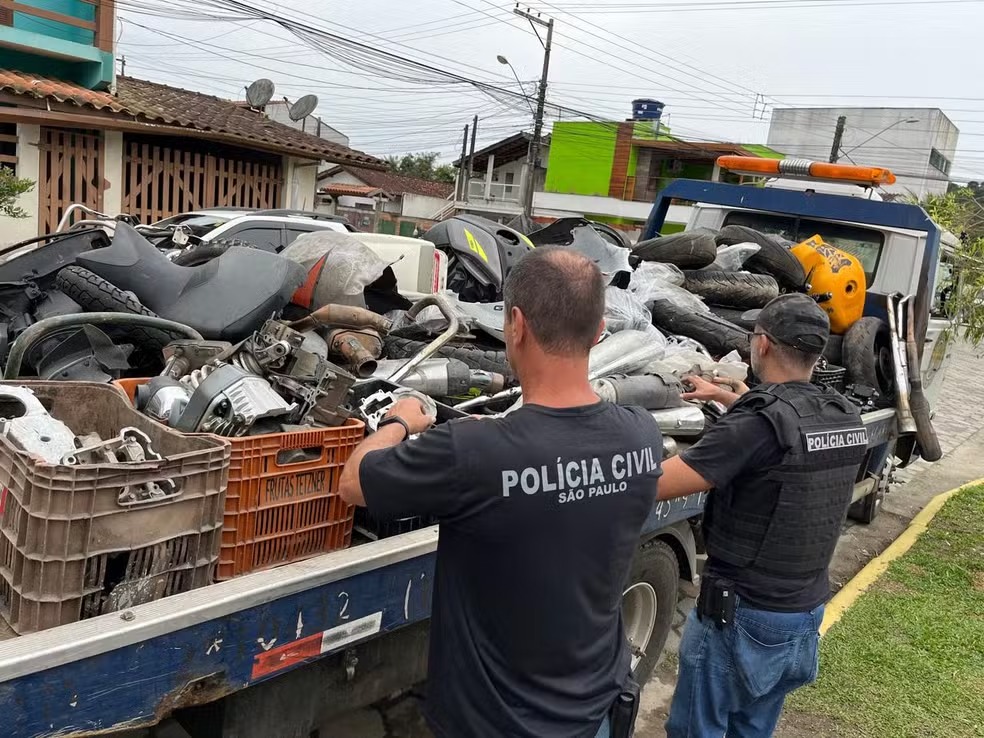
<point x="374" y="407"/>
<point x="185" y="356"/>
<point x="131" y="446"/>
<point x="229" y="401"/>
<point x="25" y="422"/>
<point x="163" y="397"/>
<point x="680" y="422"/>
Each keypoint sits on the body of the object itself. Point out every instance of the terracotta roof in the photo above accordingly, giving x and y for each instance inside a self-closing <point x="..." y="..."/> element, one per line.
<point x="397" y="183"/>
<point x="156" y="103"/>
<point x="344" y="188"/>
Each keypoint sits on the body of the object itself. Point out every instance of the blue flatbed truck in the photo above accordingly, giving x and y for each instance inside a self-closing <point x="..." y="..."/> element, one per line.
<point x="284" y="651"/>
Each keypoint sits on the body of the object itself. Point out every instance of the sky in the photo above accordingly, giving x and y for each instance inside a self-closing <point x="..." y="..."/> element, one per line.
<point x="720" y="66"/>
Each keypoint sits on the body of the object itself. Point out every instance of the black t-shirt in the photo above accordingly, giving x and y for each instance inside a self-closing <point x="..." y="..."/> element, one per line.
<point x="540" y="516"/>
<point x="737" y="453"/>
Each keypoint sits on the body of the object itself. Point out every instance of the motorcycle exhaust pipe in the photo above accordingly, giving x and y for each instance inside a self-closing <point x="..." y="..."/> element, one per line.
<point x="929" y="442"/>
<point x="352" y="347"/>
<point x="907" y="423"/>
<point x="343" y="316"/>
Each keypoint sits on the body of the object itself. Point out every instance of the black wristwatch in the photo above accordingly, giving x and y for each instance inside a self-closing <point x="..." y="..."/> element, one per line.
<point x="395" y="419"/>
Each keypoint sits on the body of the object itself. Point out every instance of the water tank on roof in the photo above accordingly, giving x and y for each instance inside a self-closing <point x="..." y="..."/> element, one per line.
<point x="644" y="109"/>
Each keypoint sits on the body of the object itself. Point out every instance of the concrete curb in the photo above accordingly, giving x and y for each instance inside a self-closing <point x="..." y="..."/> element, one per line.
<point x="849" y="593"/>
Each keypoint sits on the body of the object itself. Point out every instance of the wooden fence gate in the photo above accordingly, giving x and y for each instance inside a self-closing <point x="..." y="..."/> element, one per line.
<point x="71" y="171"/>
<point x="161" y="181"/>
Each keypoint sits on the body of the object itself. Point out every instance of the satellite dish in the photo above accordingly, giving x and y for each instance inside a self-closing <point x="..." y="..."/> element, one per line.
<point x="303" y="107"/>
<point x="259" y="93"/>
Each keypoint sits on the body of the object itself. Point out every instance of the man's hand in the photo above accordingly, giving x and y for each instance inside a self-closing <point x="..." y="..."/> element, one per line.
<point x="723" y="389"/>
<point x="411" y="411"/>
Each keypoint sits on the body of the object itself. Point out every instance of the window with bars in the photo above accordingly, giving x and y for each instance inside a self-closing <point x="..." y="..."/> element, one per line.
<point x="940" y="162"/>
<point x="8" y="146"/>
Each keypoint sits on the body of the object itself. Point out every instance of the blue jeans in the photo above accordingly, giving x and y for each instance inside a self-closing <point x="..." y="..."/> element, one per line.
<point x="605" y="730"/>
<point x="733" y="681"/>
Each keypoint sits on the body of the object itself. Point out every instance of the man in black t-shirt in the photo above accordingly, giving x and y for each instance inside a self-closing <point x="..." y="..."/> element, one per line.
<point x="782" y="463"/>
<point x="540" y="515"/>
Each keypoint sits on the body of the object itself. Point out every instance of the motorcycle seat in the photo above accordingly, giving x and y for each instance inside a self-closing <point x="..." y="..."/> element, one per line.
<point x="224" y="299"/>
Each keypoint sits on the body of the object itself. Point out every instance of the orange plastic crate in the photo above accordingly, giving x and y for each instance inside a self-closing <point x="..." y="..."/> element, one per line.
<point x="282" y="503"/>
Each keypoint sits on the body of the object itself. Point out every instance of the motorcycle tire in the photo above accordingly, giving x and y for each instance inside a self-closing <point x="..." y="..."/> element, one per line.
<point x="688" y="250"/>
<point x="732" y="234"/>
<point x="732" y="289"/>
<point x="834" y="350"/>
<point x="866" y="353"/>
<point x="205" y="252"/>
<point x="773" y="258"/>
<point x="476" y="357"/>
<point x="736" y="316"/>
<point x="717" y="335"/>
<point x="95" y="294"/>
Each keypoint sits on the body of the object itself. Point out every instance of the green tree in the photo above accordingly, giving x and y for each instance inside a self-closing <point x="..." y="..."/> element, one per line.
<point x="423" y="165"/>
<point x="10" y="189"/>
<point x="962" y="279"/>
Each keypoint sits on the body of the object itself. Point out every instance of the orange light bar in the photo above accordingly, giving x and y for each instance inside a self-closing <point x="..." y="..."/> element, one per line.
<point x="805" y="169"/>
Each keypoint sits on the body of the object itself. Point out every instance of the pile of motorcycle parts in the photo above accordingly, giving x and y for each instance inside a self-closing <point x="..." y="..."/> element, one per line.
<point x="276" y="377"/>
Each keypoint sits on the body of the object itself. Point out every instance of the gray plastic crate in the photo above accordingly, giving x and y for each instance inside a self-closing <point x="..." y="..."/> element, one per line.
<point x="70" y="550"/>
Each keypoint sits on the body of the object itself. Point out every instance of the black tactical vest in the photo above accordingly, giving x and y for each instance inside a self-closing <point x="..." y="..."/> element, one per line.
<point x="825" y="444"/>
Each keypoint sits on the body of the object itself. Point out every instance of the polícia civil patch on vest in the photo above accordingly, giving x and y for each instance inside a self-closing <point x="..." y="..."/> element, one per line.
<point x="573" y="480"/>
<point x="828" y="440"/>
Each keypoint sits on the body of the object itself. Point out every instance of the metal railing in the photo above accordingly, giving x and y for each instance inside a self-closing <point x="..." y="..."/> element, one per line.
<point x="482" y="190"/>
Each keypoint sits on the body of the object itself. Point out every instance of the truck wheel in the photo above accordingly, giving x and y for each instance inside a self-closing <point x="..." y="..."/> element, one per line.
<point x="867" y="356"/>
<point x="476" y="357"/>
<point x="648" y="604"/>
<point x="867" y="508"/>
<point x="732" y="289"/>
<point x="205" y="252"/>
<point x="688" y="250"/>
<point x="718" y="336"/>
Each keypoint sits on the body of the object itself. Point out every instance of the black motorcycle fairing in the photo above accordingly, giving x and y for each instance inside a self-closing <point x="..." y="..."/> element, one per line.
<point x="224" y="299"/>
<point x="581" y="235"/>
<point x="47" y="259"/>
<point x="483" y="251"/>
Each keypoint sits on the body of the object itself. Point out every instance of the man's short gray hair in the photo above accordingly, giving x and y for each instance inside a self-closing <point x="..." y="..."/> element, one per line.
<point x="561" y="293"/>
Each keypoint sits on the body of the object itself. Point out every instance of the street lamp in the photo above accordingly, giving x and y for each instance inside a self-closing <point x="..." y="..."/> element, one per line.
<point x="899" y="122"/>
<point x="503" y="60"/>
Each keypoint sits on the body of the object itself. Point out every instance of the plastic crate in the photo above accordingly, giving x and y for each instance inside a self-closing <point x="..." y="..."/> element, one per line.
<point x="282" y="504"/>
<point x="69" y="550"/>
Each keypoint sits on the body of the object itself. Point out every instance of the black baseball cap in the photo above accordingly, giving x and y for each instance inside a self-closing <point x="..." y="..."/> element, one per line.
<point x="796" y="321"/>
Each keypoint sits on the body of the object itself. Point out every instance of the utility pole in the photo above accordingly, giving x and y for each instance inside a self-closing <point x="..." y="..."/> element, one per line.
<point x="471" y="151"/>
<point x="838" y="137"/>
<point x="462" y="189"/>
<point x="533" y="154"/>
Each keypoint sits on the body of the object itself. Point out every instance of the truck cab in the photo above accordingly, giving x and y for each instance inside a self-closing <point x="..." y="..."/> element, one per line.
<point x="891" y="256"/>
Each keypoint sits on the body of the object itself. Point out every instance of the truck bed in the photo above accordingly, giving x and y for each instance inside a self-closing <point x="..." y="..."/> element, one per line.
<point x="132" y="668"/>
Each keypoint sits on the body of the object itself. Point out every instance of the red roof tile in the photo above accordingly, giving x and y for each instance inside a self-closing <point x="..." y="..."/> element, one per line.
<point x="400" y="183"/>
<point x="353" y="190"/>
<point x="157" y="103"/>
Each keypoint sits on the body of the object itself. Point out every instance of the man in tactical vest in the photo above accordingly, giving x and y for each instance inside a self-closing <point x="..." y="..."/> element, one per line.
<point x="782" y="463"/>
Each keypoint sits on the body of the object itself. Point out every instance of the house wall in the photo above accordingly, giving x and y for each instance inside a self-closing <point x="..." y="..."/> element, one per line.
<point x="422" y="206"/>
<point x="13" y="230"/>
<point x="279" y="111"/>
<point x="300" y="177"/>
<point x="71" y="52"/>
<point x="581" y="155"/>
<point x="905" y="148"/>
